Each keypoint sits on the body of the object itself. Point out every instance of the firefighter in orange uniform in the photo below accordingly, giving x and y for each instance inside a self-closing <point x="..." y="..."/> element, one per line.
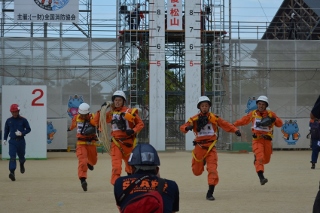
<point x="86" y="142"/>
<point x="125" y="125"/>
<point x="263" y="121"/>
<point x="205" y="127"/>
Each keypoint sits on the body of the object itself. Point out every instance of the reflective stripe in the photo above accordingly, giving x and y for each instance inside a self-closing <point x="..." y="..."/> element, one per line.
<point x="209" y="149"/>
<point x="87" y="143"/>
<point x="119" y="146"/>
<point x="88" y="139"/>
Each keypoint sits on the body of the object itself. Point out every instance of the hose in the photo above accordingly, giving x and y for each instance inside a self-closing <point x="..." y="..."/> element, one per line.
<point x="103" y="137"/>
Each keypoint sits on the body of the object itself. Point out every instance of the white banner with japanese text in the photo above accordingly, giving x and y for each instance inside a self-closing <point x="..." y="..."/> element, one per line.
<point x="174" y="16"/>
<point x="46" y="11"/>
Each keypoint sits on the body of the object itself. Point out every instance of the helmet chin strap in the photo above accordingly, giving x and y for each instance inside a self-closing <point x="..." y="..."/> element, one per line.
<point x="204" y="112"/>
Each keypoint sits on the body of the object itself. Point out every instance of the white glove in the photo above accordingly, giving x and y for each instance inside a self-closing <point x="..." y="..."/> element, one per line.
<point x="4" y="142"/>
<point x="18" y="133"/>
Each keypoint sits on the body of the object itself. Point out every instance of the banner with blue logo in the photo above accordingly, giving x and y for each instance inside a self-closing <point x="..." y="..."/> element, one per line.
<point x="46" y="11"/>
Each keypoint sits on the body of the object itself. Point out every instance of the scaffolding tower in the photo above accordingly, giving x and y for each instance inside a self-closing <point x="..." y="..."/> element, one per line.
<point x="134" y="57"/>
<point x="133" y="37"/>
<point x="216" y="24"/>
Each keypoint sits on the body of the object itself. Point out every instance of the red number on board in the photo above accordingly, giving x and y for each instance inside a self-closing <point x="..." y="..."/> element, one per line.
<point x="34" y="101"/>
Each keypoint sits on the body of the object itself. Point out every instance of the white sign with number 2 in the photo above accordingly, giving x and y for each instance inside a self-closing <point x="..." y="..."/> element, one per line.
<point x="32" y="100"/>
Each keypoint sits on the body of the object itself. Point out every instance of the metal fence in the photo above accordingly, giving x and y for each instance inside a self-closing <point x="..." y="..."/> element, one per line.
<point x="285" y="71"/>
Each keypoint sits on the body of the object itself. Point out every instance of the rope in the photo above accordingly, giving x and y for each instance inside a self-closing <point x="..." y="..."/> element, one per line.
<point x="105" y="129"/>
<point x="209" y="149"/>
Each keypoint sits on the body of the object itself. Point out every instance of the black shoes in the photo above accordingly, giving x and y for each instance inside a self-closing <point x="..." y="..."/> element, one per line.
<point x="22" y="169"/>
<point x="84" y="184"/>
<point x="313" y="165"/>
<point x="263" y="181"/>
<point x="90" y="167"/>
<point x="12" y="177"/>
<point x="210" y="196"/>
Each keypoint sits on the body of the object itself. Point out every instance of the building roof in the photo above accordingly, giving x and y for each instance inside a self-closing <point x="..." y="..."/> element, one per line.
<point x="305" y="26"/>
<point x="314" y="5"/>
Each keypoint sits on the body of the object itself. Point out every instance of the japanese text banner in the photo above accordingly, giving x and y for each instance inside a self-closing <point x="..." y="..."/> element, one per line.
<point x="174" y="15"/>
<point x="46" y="11"/>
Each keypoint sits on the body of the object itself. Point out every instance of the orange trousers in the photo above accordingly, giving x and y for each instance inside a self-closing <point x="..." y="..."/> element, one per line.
<point x="86" y="154"/>
<point x="211" y="163"/>
<point x="262" y="150"/>
<point x="116" y="160"/>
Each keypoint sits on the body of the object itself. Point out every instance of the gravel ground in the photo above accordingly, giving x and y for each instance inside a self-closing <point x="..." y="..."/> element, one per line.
<point x="52" y="185"/>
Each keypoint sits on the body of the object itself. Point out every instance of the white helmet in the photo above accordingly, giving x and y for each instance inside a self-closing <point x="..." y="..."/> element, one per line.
<point x="264" y="99"/>
<point x="203" y="99"/>
<point x="119" y="93"/>
<point x="83" y="109"/>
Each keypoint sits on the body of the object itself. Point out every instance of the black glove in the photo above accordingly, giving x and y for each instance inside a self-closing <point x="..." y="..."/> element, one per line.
<point x="267" y="121"/>
<point x="129" y="132"/>
<point x="238" y="133"/>
<point x="189" y="128"/>
<point x="90" y="130"/>
<point x="273" y="119"/>
<point x="68" y="130"/>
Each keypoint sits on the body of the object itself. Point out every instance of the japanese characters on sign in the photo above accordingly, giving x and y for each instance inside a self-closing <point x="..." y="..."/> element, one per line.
<point x="46" y="11"/>
<point x="174" y="15"/>
<point x="46" y="17"/>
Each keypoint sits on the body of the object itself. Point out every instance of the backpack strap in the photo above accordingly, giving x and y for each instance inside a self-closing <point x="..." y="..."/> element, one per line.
<point x="129" y="188"/>
<point x="84" y="124"/>
<point x="160" y="187"/>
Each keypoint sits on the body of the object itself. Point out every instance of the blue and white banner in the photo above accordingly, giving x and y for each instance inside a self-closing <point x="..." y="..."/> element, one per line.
<point x="46" y="11"/>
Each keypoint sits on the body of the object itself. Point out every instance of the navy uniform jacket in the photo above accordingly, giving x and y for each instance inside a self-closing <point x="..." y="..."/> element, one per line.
<point x="316" y="108"/>
<point x="316" y="113"/>
<point x="316" y="204"/>
<point x="13" y="124"/>
<point x="170" y="195"/>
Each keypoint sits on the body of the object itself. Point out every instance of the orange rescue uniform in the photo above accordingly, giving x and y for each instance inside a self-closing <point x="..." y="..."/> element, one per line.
<point x="262" y="136"/>
<point x="86" y="144"/>
<point x="122" y="144"/>
<point x="204" y="142"/>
